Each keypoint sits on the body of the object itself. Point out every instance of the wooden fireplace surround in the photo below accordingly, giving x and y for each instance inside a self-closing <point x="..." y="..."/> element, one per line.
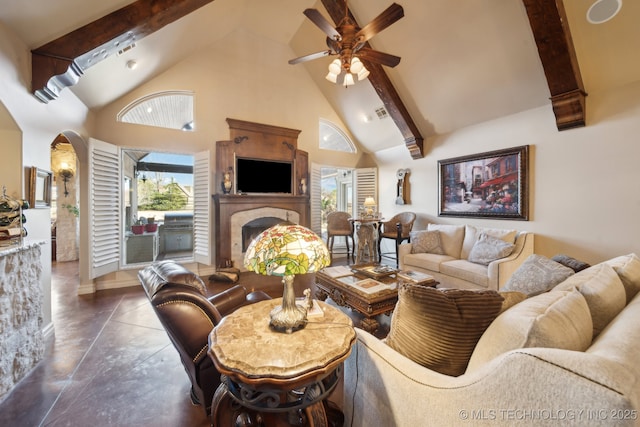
<point x="262" y="142"/>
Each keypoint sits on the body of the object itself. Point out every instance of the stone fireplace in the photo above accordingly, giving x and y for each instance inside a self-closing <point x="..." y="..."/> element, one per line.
<point x="246" y="225"/>
<point x="235" y="212"/>
<point x="255" y="212"/>
<point x="253" y="228"/>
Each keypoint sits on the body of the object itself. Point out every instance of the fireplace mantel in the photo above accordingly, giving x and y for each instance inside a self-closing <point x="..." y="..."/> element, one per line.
<point x="228" y="204"/>
<point x="263" y="142"/>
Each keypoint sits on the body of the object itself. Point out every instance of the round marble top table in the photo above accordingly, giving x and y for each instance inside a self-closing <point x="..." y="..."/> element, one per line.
<point x="268" y="371"/>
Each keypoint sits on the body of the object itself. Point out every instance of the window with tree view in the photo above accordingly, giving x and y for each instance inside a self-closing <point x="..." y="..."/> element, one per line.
<point x="158" y="194"/>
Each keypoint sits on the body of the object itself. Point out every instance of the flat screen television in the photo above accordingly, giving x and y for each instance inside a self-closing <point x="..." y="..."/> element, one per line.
<point x="263" y="176"/>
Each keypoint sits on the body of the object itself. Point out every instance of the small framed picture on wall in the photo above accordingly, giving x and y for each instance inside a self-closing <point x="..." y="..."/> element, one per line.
<point x="40" y="182"/>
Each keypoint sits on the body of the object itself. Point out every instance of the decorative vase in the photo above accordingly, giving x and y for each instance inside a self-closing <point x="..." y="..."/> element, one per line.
<point x="303" y="186"/>
<point x="227" y="181"/>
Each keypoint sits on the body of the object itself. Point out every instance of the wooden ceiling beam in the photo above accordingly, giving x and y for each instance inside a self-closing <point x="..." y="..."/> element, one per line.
<point x="550" y="28"/>
<point x="61" y="62"/>
<point x="385" y="89"/>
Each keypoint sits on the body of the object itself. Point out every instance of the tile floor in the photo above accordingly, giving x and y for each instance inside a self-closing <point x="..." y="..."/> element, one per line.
<point x="109" y="363"/>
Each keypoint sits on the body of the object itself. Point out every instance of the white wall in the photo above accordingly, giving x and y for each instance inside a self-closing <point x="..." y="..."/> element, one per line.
<point x="243" y="76"/>
<point x="228" y="83"/>
<point x="11" y="172"/>
<point x="584" y="200"/>
<point x="582" y="196"/>
<point x="38" y="124"/>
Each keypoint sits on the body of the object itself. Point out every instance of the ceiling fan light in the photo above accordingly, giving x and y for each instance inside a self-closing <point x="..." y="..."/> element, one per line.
<point x="348" y="80"/>
<point x="356" y="65"/>
<point x="335" y="67"/>
<point x="333" y="78"/>
<point x="363" y="74"/>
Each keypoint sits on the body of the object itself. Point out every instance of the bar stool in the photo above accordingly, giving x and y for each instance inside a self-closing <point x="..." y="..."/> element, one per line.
<point x="398" y="229"/>
<point x="338" y="224"/>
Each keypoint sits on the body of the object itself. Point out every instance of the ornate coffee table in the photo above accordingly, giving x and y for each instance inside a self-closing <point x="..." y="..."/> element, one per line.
<point x="343" y="292"/>
<point x="272" y="378"/>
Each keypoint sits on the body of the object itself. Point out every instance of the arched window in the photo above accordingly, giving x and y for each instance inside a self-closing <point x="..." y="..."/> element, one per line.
<point x="333" y="138"/>
<point x="170" y="109"/>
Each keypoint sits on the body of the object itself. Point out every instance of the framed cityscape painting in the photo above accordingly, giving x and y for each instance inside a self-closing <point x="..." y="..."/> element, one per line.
<point x="494" y="184"/>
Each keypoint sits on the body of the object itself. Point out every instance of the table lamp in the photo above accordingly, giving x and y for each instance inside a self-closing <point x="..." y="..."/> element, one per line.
<point x="369" y="206"/>
<point x="286" y="250"/>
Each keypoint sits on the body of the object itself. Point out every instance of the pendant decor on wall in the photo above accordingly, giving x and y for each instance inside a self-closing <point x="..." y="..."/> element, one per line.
<point x="401" y="198"/>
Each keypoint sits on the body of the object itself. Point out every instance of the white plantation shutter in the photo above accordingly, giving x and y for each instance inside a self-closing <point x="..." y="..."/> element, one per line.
<point x="104" y="208"/>
<point x="365" y="184"/>
<point x="201" y="207"/>
<point x="315" y="194"/>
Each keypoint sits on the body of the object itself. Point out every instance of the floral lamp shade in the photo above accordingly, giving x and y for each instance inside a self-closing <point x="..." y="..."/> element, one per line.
<point x="286" y="250"/>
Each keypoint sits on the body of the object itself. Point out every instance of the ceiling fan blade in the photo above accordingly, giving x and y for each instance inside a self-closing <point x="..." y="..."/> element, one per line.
<point x="382" y="21"/>
<point x="310" y="57"/>
<point x="322" y="23"/>
<point x="378" y="57"/>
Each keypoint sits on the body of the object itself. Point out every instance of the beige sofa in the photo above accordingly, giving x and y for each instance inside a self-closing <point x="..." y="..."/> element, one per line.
<point x="452" y="267"/>
<point x="511" y="380"/>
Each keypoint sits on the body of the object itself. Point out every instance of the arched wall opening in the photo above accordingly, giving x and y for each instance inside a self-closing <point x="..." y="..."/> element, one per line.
<point x="81" y="194"/>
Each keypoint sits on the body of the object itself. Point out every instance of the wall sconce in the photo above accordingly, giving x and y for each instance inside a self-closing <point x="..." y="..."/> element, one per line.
<point x="66" y="173"/>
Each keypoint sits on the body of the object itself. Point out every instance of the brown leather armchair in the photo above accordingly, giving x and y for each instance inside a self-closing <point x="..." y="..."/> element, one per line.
<point x="179" y="298"/>
<point x="398" y="229"/>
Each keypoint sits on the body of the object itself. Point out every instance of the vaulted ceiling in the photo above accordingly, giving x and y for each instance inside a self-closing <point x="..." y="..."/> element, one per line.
<point x="463" y="61"/>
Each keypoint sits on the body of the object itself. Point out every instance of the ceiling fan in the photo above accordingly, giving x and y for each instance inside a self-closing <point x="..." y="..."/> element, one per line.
<point x="348" y="41"/>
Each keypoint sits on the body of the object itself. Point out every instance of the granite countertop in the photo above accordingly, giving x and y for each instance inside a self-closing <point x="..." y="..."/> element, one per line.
<point x="26" y="245"/>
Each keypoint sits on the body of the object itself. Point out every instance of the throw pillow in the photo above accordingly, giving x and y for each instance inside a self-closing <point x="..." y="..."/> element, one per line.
<point x="451" y="237"/>
<point x="426" y="242"/>
<point x="603" y="291"/>
<point x="536" y="275"/>
<point x="471" y="234"/>
<point x="570" y="262"/>
<point x="511" y="298"/>
<point x="558" y="319"/>
<point x="439" y="328"/>
<point x="488" y="249"/>
<point x="628" y="269"/>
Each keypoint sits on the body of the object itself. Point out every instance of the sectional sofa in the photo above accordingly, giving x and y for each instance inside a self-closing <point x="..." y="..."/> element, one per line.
<point x="567" y="356"/>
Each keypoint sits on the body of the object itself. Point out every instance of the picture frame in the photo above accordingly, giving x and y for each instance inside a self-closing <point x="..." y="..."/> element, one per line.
<point x="493" y="185"/>
<point x="40" y="182"/>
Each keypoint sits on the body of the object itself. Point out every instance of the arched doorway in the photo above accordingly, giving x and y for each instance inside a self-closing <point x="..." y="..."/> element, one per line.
<point x="80" y="191"/>
<point x="65" y="211"/>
